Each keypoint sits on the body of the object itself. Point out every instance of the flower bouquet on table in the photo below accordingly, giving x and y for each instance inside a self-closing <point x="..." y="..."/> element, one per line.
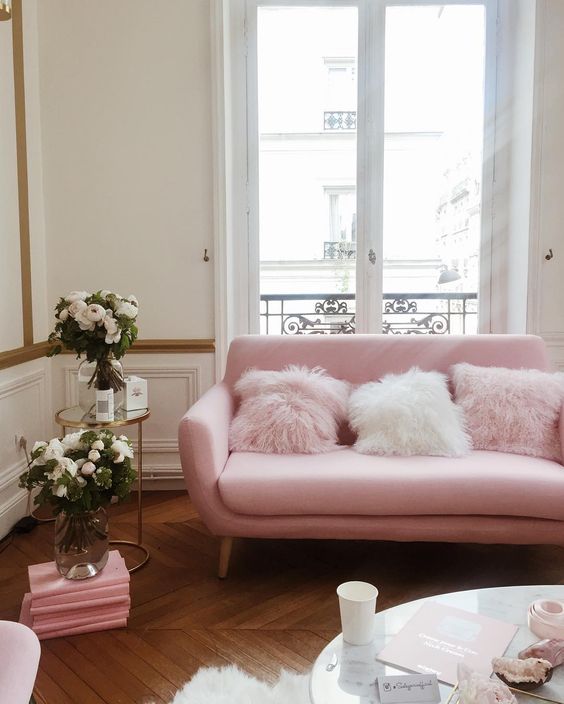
<point x="79" y="475"/>
<point x="102" y="327"/>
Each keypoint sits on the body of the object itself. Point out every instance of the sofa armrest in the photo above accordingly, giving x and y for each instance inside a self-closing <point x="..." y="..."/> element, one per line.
<point x="203" y="439"/>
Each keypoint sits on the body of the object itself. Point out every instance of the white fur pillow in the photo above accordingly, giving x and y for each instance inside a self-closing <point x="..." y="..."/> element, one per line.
<point x="408" y="414"/>
<point x="296" y="410"/>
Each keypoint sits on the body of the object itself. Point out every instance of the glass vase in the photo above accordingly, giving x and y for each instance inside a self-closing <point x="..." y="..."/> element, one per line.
<point x="81" y="543"/>
<point x="88" y="382"/>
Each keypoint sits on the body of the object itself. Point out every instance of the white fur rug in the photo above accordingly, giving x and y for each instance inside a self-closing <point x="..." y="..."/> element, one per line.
<point x="229" y="685"/>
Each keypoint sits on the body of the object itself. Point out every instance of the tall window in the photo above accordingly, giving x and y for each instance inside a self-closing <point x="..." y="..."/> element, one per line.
<point x="369" y="188"/>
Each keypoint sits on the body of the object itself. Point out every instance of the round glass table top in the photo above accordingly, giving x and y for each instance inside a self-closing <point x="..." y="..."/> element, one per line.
<point x="346" y="674"/>
<point x="75" y="417"/>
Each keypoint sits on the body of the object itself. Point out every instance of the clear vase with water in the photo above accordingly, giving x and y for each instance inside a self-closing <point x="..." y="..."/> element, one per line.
<point x="81" y="543"/>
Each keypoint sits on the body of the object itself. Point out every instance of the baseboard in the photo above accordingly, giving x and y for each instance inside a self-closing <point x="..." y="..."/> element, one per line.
<point x="11" y="512"/>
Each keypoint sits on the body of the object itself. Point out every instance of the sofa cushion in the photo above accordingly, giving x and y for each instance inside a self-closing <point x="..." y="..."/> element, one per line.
<point x="293" y="410"/>
<point x="511" y="410"/>
<point x="344" y="482"/>
<point x="408" y="414"/>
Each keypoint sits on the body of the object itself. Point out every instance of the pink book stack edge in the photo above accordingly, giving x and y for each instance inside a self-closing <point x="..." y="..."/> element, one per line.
<point x="58" y="607"/>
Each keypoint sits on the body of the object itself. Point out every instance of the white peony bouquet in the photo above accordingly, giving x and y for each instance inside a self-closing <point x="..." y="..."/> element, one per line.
<point x="99" y="325"/>
<point x="81" y="472"/>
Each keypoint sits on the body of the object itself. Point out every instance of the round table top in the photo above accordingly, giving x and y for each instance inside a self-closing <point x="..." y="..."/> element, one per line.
<point x="75" y="417"/>
<point x="346" y="674"/>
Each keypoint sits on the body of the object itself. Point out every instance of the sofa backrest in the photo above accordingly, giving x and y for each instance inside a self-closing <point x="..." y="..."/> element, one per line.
<point x="362" y="358"/>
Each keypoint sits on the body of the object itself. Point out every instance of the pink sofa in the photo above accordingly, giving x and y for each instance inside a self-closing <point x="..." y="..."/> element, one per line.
<point x="486" y="497"/>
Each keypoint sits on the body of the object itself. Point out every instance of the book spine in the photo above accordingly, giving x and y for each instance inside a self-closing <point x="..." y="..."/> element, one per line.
<point x="77" y="586"/>
<point x="92" y="628"/>
<point x="63" y="622"/>
<point x="88" y="597"/>
<point x="40" y="615"/>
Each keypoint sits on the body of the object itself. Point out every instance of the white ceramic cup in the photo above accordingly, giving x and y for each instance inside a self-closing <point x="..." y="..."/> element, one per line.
<point x="357" y="603"/>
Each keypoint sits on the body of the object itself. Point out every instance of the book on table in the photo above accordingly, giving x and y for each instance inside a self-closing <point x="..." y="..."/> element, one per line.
<point x="439" y="637"/>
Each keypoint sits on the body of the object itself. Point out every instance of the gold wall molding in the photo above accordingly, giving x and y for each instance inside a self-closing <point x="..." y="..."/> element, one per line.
<point x="172" y="346"/>
<point x="12" y="358"/>
<point x="21" y="155"/>
<point x="178" y="346"/>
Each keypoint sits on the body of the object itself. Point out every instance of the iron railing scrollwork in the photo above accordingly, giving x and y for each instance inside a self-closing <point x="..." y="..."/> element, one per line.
<point x="339" y="120"/>
<point x="402" y="313"/>
<point x="339" y="249"/>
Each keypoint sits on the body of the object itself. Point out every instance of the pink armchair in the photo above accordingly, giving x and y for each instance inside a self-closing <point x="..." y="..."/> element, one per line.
<point x="19" y="660"/>
<point x="486" y="497"/>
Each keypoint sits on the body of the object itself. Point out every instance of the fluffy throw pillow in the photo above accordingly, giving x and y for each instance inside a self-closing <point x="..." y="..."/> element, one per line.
<point x="511" y="410"/>
<point x="296" y="410"/>
<point x="408" y="414"/>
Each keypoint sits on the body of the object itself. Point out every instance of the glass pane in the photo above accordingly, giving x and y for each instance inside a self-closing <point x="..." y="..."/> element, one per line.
<point x="307" y="87"/>
<point x="434" y="105"/>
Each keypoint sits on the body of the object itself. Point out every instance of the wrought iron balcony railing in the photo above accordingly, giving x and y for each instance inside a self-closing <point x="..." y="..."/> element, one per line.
<point x="339" y="120"/>
<point x="339" y="250"/>
<point x="402" y="313"/>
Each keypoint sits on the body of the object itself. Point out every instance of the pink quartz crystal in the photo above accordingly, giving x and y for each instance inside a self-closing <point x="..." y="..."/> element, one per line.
<point x="526" y="674"/>
<point x="549" y="649"/>
<point x="475" y="688"/>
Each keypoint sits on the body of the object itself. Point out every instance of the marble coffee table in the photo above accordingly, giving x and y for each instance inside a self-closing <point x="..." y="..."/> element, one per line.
<point x="346" y="674"/>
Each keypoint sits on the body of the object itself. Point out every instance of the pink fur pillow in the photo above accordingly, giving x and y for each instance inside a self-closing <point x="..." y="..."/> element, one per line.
<point x="296" y="410"/>
<point x="511" y="410"/>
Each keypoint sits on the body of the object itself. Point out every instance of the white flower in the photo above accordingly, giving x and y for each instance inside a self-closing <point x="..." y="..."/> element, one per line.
<point x="76" y="296"/>
<point x="60" y="491"/>
<point x="68" y="465"/>
<point x="110" y="323"/>
<point x="72" y="441"/>
<point x="63" y="315"/>
<point x="112" y="339"/>
<point x="121" y="450"/>
<point x="113" y="332"/>
<point x="123" y="437"/>
<point x="81" y="481"/>
<point x="133" y="300"/>
<point x="83" y="322"/>
<point x="94" y="312"/>
<point x="54" y="450"/>
<point x="97" y="445"/>
<point x="65" y="464"/>
<point x="88" y="468"/>
<point x="80" y="462"/>
<point x="126" y="309"/>
<point x="39" y="444"/>
<point x="76" y="307"/>
<point x="94" y="455"/>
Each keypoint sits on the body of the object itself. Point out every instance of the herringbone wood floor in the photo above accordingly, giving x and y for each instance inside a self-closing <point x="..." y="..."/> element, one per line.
<point x="276" y="609"/>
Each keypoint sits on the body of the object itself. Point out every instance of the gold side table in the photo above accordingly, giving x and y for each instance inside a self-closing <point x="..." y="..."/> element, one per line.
<point x="75" y="417"/>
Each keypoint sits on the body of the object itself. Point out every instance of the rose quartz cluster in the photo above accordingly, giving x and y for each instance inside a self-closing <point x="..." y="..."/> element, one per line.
<point x="518" y="671"/>
<point x="475" y="688"/>
<point x="549" y="649"/>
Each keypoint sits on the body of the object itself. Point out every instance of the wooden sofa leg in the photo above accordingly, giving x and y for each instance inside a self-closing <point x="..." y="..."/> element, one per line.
<point x="224" y="555"/>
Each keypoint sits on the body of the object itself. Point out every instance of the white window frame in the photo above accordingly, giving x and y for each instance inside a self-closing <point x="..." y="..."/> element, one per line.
<point x="236" y="160"/>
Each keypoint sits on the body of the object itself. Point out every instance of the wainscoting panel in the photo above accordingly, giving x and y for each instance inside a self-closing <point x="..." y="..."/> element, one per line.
<point x="172" y="390"/>
<point x="23" y="413"/>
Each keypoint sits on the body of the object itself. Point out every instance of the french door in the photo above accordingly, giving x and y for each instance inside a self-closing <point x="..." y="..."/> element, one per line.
<point x="369" y="165"/>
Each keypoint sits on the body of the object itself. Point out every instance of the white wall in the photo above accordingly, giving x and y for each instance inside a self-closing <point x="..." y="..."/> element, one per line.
<point x="126" y="104"/>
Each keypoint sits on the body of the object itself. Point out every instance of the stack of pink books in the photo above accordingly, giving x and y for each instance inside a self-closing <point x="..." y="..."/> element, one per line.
<point x="58" y="607"/>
